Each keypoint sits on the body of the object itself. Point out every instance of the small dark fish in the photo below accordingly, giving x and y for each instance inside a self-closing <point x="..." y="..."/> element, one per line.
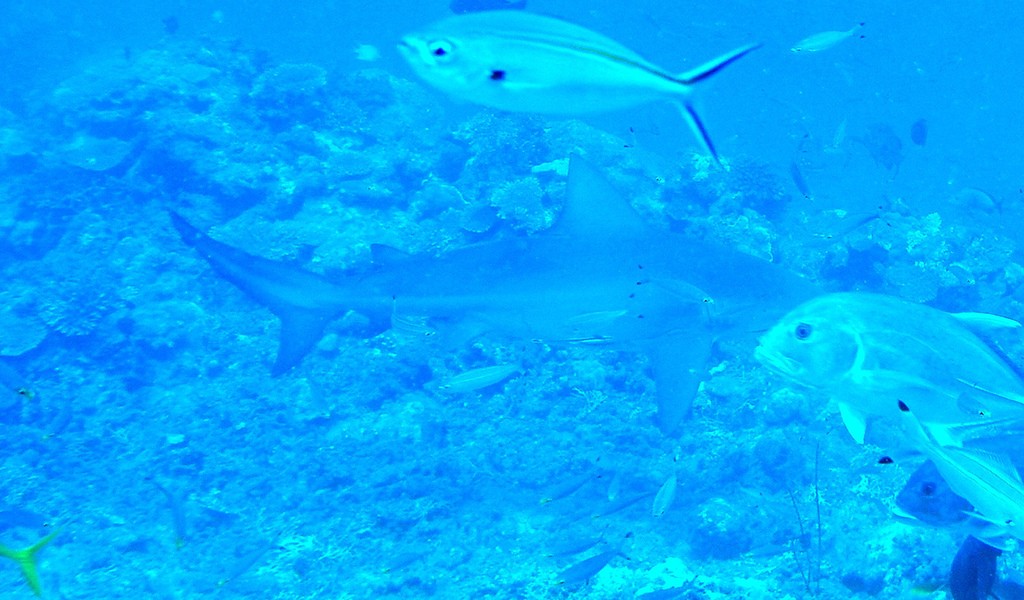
<point x="973" y="572"/>
<point x="919" y="132"/>
<point x="587" y="568"/>
<point x="170" y="25"/>
<point x="798" y="180"/>
<point x="884" y="146"/>
<point x="461" y="7"/>
<point x="246" y="561"/>
<point x="574" y="546"/>
<point x="17" y="517"/>
<point x="622" y="504"/>
<point x="569" y="487"/>
<point x="928" y="498"/>
<point x="177" y="505"/>
<point x="666" y="594"/>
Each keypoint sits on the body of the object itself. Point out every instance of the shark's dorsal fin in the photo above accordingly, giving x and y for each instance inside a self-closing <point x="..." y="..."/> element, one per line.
<point x="382" y="254"/>
<point x="593" y="208"/>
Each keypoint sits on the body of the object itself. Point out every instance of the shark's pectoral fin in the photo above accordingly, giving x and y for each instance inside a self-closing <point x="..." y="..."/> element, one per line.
<point x="854" y="420"/>
<point x="679" y="364"/>
<point x="300" y="331"/>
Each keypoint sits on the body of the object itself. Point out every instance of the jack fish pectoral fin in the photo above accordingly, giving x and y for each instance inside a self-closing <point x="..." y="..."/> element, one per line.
<point x="854" y="420"/>
<point x="679" y="364"/>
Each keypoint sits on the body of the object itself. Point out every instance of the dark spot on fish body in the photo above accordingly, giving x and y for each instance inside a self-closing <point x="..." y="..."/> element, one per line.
<point x="928" y="488"/>
<point x="497" y="75"/>
<point x="885" y="460"/>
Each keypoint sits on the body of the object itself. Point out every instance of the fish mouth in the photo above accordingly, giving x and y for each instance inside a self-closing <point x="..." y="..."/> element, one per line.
<point x="777" y="362"/>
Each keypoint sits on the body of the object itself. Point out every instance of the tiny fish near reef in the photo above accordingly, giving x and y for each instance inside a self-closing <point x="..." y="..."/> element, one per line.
<point x="919" y="132"/>
<point x="523" y="62"/>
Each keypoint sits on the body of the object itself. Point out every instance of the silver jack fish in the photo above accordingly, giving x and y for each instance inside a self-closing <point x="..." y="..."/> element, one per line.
<point x="866" y="349"/>
<point x="523" y="62"/>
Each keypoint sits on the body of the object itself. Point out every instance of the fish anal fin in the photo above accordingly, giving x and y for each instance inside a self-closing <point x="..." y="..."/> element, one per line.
<point x="854" y="420"/>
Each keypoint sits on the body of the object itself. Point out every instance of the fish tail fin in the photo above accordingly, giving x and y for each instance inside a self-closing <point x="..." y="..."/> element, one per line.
<point x="697" y="127"/>
<point x="715" y="65"/>
<point x="696" y="75"/>
<point x="26" y="559"/>
<point x="303" y="301"/>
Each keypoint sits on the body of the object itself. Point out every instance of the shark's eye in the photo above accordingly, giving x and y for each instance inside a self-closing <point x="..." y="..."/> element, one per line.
<point x="441" y="48"/>
<point x="803" y="331"/>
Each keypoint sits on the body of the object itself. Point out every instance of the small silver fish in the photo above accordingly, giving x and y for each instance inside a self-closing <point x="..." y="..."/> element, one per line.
<point x="825" y="39"/>
<point x="477" y="379"/>
<point x="523" y="62"/>
<point x="665" y="496"/>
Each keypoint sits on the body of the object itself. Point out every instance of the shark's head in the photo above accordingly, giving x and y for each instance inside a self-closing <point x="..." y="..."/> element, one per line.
<point x="816" y="344"/>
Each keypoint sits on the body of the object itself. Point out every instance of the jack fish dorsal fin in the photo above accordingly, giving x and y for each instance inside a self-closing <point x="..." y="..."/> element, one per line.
<point x="593" y="208"/>
<point x="854" y="421"/>
<point x="985" y="322"/>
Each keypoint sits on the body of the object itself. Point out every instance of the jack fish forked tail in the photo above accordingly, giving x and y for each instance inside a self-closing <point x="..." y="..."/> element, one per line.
<point x="523" y="62"/>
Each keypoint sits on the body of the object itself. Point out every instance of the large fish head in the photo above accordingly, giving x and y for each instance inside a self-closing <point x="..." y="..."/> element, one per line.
<point x="455" y="57"/>
<point x="815" y="344"/>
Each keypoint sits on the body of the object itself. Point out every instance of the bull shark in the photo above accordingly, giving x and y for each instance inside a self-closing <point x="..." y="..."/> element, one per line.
<point x="601" y="275"/>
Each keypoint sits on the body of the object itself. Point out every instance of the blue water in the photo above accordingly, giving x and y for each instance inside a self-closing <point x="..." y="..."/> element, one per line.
<point x="140" y="418"/>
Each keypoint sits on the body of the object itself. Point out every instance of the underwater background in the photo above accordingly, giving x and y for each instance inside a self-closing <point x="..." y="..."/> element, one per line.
<point x="141" y="421"/>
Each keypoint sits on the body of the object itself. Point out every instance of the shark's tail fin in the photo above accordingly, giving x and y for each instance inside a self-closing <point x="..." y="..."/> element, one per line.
<point x="304" y="301"/>
<point x="26" y="559"/>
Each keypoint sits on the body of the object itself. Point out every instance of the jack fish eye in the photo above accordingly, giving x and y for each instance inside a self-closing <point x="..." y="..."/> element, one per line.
<point x="802" y="331"/>
<point x="441" y="48"/>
